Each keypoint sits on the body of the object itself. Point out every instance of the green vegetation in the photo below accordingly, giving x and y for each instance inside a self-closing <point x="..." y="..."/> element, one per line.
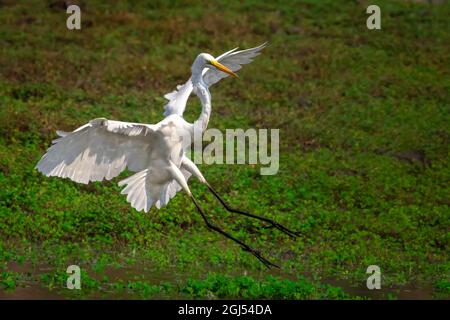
<point x="364" y="155"/>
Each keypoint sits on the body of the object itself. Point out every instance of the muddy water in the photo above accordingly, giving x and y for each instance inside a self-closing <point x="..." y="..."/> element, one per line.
<point x="29" y="289"/>
<point x="402" y="293"/>
<point x="31" y="292"/>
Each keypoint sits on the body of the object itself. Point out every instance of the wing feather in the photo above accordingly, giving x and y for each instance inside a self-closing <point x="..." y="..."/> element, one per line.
<point x="99" y="150"/>
<point x="178" y="99"/>
<point x="232" y="59"/>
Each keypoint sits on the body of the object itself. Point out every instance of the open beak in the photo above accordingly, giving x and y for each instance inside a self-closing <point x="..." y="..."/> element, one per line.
<point x="222" y="68"/>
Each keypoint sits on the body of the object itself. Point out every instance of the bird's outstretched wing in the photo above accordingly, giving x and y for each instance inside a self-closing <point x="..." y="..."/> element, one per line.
<point x="178" y="99"/>
<point x="100" y="149"/>
<point x="232" y="59"/>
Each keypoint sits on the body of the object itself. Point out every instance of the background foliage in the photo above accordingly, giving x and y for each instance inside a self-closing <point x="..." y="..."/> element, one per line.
<point x="364" y="170"/>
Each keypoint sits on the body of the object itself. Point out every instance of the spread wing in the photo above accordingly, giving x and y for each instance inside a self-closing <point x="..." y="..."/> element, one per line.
<point x="178" y="99"/>
<point x="100" y="149"/>
<point x="232" y="59"/>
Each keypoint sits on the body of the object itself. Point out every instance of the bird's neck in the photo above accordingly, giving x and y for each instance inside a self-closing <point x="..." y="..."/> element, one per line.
<point x="201" y="90"/>
<point x="197" y="78"/>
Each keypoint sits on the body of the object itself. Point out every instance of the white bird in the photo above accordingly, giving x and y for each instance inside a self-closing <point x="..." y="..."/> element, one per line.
<point x="102" y="148"/>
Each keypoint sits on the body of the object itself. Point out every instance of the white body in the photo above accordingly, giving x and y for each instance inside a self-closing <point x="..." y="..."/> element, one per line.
<point x="102" y="149"/>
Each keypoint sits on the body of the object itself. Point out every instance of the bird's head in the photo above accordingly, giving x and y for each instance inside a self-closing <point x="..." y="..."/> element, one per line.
<point x="205" y="60"/>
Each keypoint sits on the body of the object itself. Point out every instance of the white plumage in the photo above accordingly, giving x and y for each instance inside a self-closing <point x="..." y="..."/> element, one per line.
<point x="102" y="148"/>
<point x="232" y="59"/>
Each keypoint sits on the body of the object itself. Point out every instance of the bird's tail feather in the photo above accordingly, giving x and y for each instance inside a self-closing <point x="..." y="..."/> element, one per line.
<point x="142" y="193"/>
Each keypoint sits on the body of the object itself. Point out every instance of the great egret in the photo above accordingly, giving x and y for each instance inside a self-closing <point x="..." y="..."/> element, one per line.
<point x="102" y="148"/>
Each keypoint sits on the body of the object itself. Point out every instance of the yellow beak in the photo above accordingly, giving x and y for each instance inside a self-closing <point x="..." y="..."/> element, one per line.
<point x="222" y="68"/>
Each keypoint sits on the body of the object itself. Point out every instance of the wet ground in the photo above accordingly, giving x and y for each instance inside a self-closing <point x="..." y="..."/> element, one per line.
<point x="31" y="290"/>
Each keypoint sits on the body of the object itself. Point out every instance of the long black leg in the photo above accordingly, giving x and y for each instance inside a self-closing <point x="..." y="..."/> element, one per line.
<point x="270" y="221"/>
<point x="244" y="246"/>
